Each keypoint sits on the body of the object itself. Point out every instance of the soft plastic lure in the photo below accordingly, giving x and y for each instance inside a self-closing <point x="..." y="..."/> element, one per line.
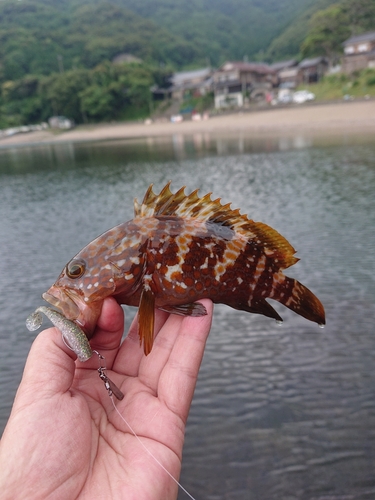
<point x="72" y="334"/>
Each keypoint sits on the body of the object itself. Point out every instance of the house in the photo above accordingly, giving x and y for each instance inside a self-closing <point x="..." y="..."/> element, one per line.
<point x="359" y="52"/>
<point x="284" y="65"/>
<point x="291" y="74"/>
<point x="196" y="82"/>
<point x="186" y="83"/>
<point x="235" y="80"/>
<point x="288" y="73"/>
<point x="312" y="70"/>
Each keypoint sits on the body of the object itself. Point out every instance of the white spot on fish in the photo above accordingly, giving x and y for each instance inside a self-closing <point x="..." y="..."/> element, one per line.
<point x="96" y="284"/>
<point x="129" y="276"/>
<point x="205" y="264"/>
<point x="239" y="280"/>
<point x="171" y="270"/>
<point x="89" y="286"/>
<point x="146" y="282"/>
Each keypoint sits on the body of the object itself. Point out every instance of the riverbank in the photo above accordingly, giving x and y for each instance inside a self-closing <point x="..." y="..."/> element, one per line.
<point x="356" y="117"/>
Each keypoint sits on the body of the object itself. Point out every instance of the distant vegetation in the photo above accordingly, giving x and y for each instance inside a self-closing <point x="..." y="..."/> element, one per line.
<point x="330" y="27"/>
<point x="339" y="86"/>
<point x="56" y="55"/>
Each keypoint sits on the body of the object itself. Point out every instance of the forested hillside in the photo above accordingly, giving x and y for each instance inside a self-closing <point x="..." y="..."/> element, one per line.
<point x="46" y="36"/>
<point x="321" y="29"/>
<point x="287" y="44"/>
<point x="223" y="29"/>
<point x="56" y="56"/>
<point x="41" y="37"/>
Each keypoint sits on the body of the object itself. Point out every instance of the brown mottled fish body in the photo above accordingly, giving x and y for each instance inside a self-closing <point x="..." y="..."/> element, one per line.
<point x="178" y="249"/>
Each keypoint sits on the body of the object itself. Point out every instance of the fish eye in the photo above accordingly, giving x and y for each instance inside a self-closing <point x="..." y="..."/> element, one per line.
<point x="75" y="269"/>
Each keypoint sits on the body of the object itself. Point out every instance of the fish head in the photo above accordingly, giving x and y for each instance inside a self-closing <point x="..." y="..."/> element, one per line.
<point x="80" y="290"/>
<point x="111" y="264"/>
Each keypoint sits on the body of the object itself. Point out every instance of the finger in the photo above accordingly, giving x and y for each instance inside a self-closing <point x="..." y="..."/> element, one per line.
<point x="178" y="379"/>
<point x="152" y="366"/>
<point x="49" y="368"/>
<point x="108" y="333"/>
<point x="131" y="352"/>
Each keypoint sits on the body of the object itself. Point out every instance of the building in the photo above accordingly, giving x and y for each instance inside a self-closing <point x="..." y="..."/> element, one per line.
<point x="359" y="52"/>
<point x="184" y="84"/>
<point x="284" y="65"/>
<point x="234" y="81"/>
<point x="196" y="82"/>
<point x="312" y="70"/>
<point x="288" y="73"/>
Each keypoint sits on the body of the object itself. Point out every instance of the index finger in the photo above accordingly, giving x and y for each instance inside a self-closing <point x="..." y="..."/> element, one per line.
<point x="178" y="379"/>
<point x="108" y="333"/>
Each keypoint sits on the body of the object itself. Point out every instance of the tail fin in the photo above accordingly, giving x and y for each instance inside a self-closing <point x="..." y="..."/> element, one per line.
<point x="292" y="294"/>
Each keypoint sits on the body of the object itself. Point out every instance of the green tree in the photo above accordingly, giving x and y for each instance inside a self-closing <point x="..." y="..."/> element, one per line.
<point x="328" y="29"/>
<point x="360" y="14"/>
<point x="97" y="103"/>
<point x="61" y="92"/>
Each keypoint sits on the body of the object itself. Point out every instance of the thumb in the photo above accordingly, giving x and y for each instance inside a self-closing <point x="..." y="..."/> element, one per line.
<point x="49" y="368"/>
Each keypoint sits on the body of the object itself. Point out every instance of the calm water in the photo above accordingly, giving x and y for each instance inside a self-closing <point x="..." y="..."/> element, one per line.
<point x="279" y="412"/>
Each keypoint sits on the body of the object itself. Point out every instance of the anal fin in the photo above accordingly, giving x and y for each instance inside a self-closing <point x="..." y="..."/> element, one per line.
<point x="146" y="319"/>
<point x="261" y="306"/>
<point x="192" y="309"/>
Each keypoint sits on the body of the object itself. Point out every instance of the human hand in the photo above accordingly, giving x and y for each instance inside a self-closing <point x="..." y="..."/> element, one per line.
<point x="65" y="440"/>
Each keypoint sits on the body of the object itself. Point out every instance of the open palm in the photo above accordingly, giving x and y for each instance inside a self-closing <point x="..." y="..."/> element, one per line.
<point x="65" y="439"/>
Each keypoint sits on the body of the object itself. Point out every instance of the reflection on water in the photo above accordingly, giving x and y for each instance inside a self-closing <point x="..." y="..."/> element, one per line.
<point x="280" y="412"/>
<point x="26" y="159"/>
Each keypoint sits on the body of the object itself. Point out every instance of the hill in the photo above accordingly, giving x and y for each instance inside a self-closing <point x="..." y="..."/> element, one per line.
<point x="57" y="56"/>
<point x="223" y="29"/>
<point x="46" y="36"/>
<point x="42" y="37"/>
<point x="287" y="44"/>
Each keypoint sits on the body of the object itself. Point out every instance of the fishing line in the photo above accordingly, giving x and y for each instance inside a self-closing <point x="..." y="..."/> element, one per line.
<point x="113" y="390"/>
<point x="148" y="451"/>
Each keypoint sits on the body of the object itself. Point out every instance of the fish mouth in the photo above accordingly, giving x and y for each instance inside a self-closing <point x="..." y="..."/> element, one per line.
<point x="74" y="308"/>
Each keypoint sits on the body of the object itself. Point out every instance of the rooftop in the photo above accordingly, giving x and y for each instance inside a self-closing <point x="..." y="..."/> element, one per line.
<point x="279" y="65"/>
<point x="261" y="68"/>
<point x="306" y="63"/>
<point x="369" y="36"/>
<point x="181" y="77"/>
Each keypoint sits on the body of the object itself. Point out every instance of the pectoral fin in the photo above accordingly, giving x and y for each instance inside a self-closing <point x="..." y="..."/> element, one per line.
<point x="192" y="309"/>
<point x="146" y="315"/>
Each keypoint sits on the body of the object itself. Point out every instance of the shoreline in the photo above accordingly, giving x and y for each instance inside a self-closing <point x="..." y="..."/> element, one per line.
<point x="317" y="119"/>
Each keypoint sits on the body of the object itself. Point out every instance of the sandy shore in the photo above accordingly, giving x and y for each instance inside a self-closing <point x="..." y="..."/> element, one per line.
<point x="356" y="117"/>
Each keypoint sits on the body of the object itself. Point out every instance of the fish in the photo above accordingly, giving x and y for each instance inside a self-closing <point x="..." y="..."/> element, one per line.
<point x="177" y="249"/>
<point x="72" y="334"/>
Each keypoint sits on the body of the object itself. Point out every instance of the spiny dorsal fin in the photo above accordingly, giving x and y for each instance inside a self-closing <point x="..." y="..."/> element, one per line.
<point x="207" y="210"/>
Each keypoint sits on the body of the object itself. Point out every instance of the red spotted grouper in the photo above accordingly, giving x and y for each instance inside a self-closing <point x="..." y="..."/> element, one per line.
<point x="176" y="250"/>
